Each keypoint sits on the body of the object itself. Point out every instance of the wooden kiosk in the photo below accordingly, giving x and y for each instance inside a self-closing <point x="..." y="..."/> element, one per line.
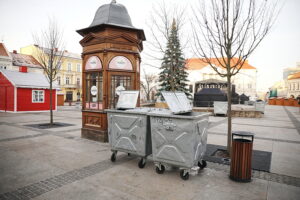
<point x="111" y="62"/>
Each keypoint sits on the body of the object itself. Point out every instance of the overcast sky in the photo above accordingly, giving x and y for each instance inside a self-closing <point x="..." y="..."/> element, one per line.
<point x="20" y="18"/>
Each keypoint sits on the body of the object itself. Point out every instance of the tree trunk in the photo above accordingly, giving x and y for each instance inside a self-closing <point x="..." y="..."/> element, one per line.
<point x="229" y="115"/>
<point x="51" y="112"/>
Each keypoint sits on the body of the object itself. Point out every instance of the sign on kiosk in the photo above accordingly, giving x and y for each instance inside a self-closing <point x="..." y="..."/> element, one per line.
<point x="93" y="63"/>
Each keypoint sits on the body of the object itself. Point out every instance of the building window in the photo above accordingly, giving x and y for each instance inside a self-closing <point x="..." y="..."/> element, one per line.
<point x="94" y="89"/>
<point x="69" y="67"/>
<point x="59" y="65"/>
<point x="67" y="80"/>
<point x="58" y="80"/>
<point x="38" y="96"/>
<point x="78" y="67"/>
<point x="78" y="82"/>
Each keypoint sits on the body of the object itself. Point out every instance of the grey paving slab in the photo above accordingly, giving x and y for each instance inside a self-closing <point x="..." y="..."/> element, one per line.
<point x="277" y="191"/>
<point x="286" y="159"/>
<point x="127" y="182"/>
<point x="7" y="132"/>
<point x="59" y="164"/>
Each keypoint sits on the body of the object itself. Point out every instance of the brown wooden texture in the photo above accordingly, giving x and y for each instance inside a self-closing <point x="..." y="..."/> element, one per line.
<point x="60" y="100"/>
<point x="107" y="43"/>
<point x="241" y="160"/>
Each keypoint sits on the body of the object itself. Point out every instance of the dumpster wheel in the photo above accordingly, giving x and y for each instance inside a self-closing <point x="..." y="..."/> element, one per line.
<point x="202" y="164"/>
<point x="142" y="163"/>
<point x="113" y="157"/>
<point x="184" y="175"/>
<point x="160" y="170"/>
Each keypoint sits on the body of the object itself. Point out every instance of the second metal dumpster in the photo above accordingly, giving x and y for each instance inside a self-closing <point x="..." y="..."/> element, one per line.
<point x="179" y="139"/>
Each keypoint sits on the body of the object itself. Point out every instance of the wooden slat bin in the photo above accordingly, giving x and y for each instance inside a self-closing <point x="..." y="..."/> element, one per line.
<point x="241" y="158"/>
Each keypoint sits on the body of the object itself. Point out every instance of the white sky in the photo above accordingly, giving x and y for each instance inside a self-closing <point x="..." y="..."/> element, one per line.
<point x="20" y="18"/>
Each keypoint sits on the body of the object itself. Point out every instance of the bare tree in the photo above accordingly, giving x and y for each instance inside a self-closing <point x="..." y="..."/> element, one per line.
<point x="148" y="84"/>
<point x="159" y="26"/>
<point x="49" y="53"/>
<point x="226" y="32"/>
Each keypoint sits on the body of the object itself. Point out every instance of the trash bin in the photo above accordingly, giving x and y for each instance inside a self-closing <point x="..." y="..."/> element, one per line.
<point x="241" y="157"/>
<point x="179" y="138"/>
<point x="220" y="107"/>
<point x="260" y="106"/>
<point x="129" y="128"/>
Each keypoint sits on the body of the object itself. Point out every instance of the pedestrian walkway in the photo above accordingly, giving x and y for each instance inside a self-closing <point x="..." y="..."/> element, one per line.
<point x="59" y="164"/>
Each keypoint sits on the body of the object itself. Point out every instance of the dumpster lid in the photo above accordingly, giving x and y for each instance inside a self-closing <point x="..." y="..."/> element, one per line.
<point x="127" y="99"/>
<point x="177" y="102"/>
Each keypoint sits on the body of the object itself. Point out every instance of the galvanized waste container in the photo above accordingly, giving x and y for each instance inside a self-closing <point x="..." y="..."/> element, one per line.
<point x="129" y="128"/>
<point x="220" y="107"/>
<point x="260" y="106"/>
<point x="179" y="138"/>
<point x="241" y="158"/>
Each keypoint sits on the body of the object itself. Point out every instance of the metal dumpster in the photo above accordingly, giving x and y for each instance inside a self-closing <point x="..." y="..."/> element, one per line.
<point x="179" y="138"/>
<point x="220" y="107"/>
<point x="129" y="128"/>
<point x="260" y="106"/>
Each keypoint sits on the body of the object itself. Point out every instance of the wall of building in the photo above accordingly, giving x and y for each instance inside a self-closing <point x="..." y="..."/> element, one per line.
<point x="293" y="87"/>
<point x="245" y="80"/>
<point x="24" y="100"/>
<point x="72" y="74"/>
<point x="6" y="94"/>
<point x="5" y="62"/>
<point x="64" y="72"/>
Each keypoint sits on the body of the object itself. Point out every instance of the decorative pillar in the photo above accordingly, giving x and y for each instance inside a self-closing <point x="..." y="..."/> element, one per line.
<point x="111" y="60"/>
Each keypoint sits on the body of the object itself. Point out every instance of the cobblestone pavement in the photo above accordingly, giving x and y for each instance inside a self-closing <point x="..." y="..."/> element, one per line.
<point x="59" y="164"/>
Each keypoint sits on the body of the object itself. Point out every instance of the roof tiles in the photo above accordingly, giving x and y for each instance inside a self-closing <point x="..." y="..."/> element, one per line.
<point x="199" y="63"/>
<point x="3" y="51"/>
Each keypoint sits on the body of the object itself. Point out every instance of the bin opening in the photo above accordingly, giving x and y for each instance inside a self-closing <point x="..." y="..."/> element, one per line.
<point x="242" y="140"/>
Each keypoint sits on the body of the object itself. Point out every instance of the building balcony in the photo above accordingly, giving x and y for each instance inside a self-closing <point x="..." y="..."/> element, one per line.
<point x="73" y="86"/>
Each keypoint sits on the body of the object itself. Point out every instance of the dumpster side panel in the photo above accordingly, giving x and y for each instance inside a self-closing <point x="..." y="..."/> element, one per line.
<point x="128" y="133"/>
<point x="202" y="140"/>
<point x="177" y="141"/>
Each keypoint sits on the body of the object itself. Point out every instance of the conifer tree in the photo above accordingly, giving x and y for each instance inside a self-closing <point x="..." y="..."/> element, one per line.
<point x="173" y="76"/>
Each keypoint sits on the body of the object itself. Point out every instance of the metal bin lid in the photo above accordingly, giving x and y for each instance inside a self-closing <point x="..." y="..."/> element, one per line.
<point x="127" y="99"/>
<point x="177" y="102"/>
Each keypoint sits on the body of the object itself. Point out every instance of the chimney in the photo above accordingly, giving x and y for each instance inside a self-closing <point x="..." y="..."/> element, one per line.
<point x="23" y="69"/>
<point x="15" y="51"/>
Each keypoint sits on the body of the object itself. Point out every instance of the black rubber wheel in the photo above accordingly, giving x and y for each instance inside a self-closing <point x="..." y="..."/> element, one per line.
<point x="202" y="164"/>
<point x="184" y="177"/>
<point x="160" y="171"/>
<point x="142" y="163"/>
<point x="129" y="154"/>
<point x="113" y="157"/>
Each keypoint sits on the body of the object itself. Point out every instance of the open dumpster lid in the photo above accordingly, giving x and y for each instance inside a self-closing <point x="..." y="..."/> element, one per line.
<point x="127" y="99"/>
<point x="177" y="102"/>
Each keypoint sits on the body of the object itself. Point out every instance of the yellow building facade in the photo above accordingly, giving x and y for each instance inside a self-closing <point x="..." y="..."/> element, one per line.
<point x="69" y="77"/>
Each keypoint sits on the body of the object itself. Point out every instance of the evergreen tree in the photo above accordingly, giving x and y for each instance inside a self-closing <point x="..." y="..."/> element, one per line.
<point x="173" y="76"/>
